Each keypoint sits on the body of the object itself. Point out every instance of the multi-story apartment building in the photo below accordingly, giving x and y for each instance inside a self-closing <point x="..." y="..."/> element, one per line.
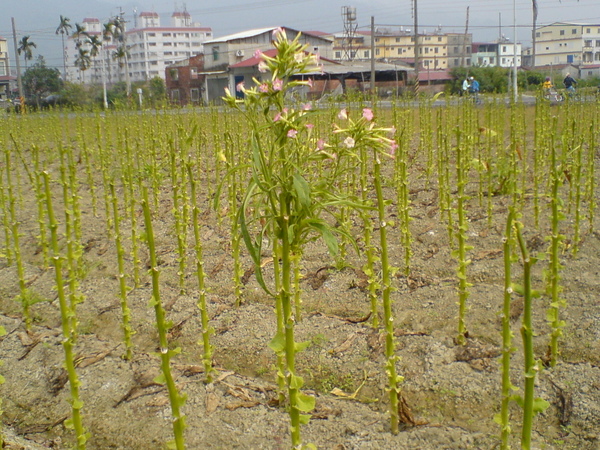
<point x="4" y="72"/>
<point x="151" y="48"/>
<point x="495" y="54"/>
<point x="568" y="43"/>
<point x="437" y="50"/>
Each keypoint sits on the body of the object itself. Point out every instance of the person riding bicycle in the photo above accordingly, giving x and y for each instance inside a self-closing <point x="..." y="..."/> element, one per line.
<point x="569" y="83"/>
<point x="547" y="85"/>
<point x="474" y="88"/>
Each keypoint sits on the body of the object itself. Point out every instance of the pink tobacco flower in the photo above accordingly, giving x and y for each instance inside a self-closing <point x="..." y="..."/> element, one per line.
<point x="349" y="142"/>
<point x="393" y="147"/>
<point x="309" y="126"/>
<point x="277" y="84"/>
<point x="292" y="133"/>
<point x="306" y="107"/>
<point x="320" y="144"/>
<point x="264" y="88"/>
<point x="263" y="67"/>
<point x="367" y="114"/>
<point x="343" y="114"/>
<point x="277" y="32"/>
<point x="240" y="87"/>
<point x="257" y="53"/>
<point x="311" y="83"/>
<point x="279" y="114"/>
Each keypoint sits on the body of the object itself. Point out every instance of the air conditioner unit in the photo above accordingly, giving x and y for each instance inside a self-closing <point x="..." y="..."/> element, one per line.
<point x="239" y="53"/>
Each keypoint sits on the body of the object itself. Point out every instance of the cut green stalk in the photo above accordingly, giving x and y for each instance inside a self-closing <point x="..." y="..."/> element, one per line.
<point x="207" y="329"/>
<point x="507" y="348"/>
<point x="553" y="271"/>
<point x="176" y="400"/>
<point x="388" y="317"/>
<point x="66" y="313"/>
<point x="460" y="253"/>
<point x="125" y="311"/>
<point x="530" y="405"/>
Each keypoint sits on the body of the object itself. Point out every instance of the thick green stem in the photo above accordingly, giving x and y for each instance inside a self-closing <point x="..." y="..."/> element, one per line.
<point x="66" y="313"/>
<point x="176" y="400"/>
<point x="125" y="311"/>
<point x="527" y="335"/>
<point x="507" y="348"/>
<point x="207" y="329"/>
<point x="388" y="315"/>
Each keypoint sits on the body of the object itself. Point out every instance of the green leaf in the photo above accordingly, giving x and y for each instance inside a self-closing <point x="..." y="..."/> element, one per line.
<point x="277" y="344"/>
<point x="328" y="237"/>
<point x="305" y="403"/>
<point x="77" y="404"/>
<point x="302" y="189"/>
<point x="498" y="418"/>
<point x="296" y="382"/>
<point x="160" y="379"/>
<point x="301" y="346"/>
<point x="540" y="405"/>
<point x="304" y="419"/>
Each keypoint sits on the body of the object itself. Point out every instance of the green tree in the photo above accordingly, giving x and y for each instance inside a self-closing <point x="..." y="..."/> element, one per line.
<point x="62" y="29"/>
<point x="25" y="47"/>
<point x="39" y="81"/>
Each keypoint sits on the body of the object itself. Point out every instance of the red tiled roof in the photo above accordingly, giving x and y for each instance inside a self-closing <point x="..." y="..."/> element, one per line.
<point x="271" y="53"/>
<point x="434" y="75"/>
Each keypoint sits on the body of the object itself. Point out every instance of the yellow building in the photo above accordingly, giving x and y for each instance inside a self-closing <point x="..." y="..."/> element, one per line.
<point x="567" y="43"/>
<point x="437" y="51"/>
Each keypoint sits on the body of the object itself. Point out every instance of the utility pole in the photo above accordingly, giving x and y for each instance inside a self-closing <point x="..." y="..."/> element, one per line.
<point x="416" y="38"/>
<point x="465" y="40"/>
<point x="515" y="52"/>
<point x="19" y="79"/>
<point x="373" y="90"/>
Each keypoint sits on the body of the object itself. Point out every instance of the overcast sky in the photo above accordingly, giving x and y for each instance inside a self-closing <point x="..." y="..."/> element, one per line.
<point x="487" y="18"/>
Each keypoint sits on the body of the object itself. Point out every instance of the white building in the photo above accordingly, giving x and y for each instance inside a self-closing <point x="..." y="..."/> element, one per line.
<point x="151" y="48"/>
<point x="496" y="54"/>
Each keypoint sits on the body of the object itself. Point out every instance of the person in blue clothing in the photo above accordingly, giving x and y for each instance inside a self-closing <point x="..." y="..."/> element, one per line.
<point x="474" y="88"/>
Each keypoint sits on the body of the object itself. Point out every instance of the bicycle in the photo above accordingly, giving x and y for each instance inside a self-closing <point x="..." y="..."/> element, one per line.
<point x="552" y="95"/>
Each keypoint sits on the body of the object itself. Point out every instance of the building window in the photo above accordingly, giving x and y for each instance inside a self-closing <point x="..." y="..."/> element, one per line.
<point x="587" y="43"/>
<point x="166" y="34"/>
<point x="562" y="32"/>
<point x="588" y="30"/>
<point x="366" y="54"/>
<point x="193" y="73"/>
<point x="338" y="55"/>
<point x="174" y="74"/>
<point x="574" y="31"/>
<point x="399" y="50"/>
<point x="538" y="34"/>
<point x="215" y="52"/>
<point x="377" y="51"/>
<point x="175" y="95"/>
<point x="437" y="50"/>
<point x="397" y="39"/>
<point x="439" y="39"/>
<point x="195" y="94"/>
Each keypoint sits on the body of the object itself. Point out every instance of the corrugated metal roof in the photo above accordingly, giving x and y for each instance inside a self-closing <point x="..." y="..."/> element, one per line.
<point x="241" y="35"/>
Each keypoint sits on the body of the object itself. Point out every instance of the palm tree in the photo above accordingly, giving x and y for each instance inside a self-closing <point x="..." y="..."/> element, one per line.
<point x="122" y="53"/>
<point x="94" y="44"/>
<point x="63" y="29"/>
<point x="78" y="34"/>
<point x="25" y="46"/>
<point x="83" y="61"/>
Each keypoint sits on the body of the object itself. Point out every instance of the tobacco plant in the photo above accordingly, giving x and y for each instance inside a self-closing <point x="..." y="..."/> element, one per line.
<point x="68" y="321"/>
<point x="163" y="325"/>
